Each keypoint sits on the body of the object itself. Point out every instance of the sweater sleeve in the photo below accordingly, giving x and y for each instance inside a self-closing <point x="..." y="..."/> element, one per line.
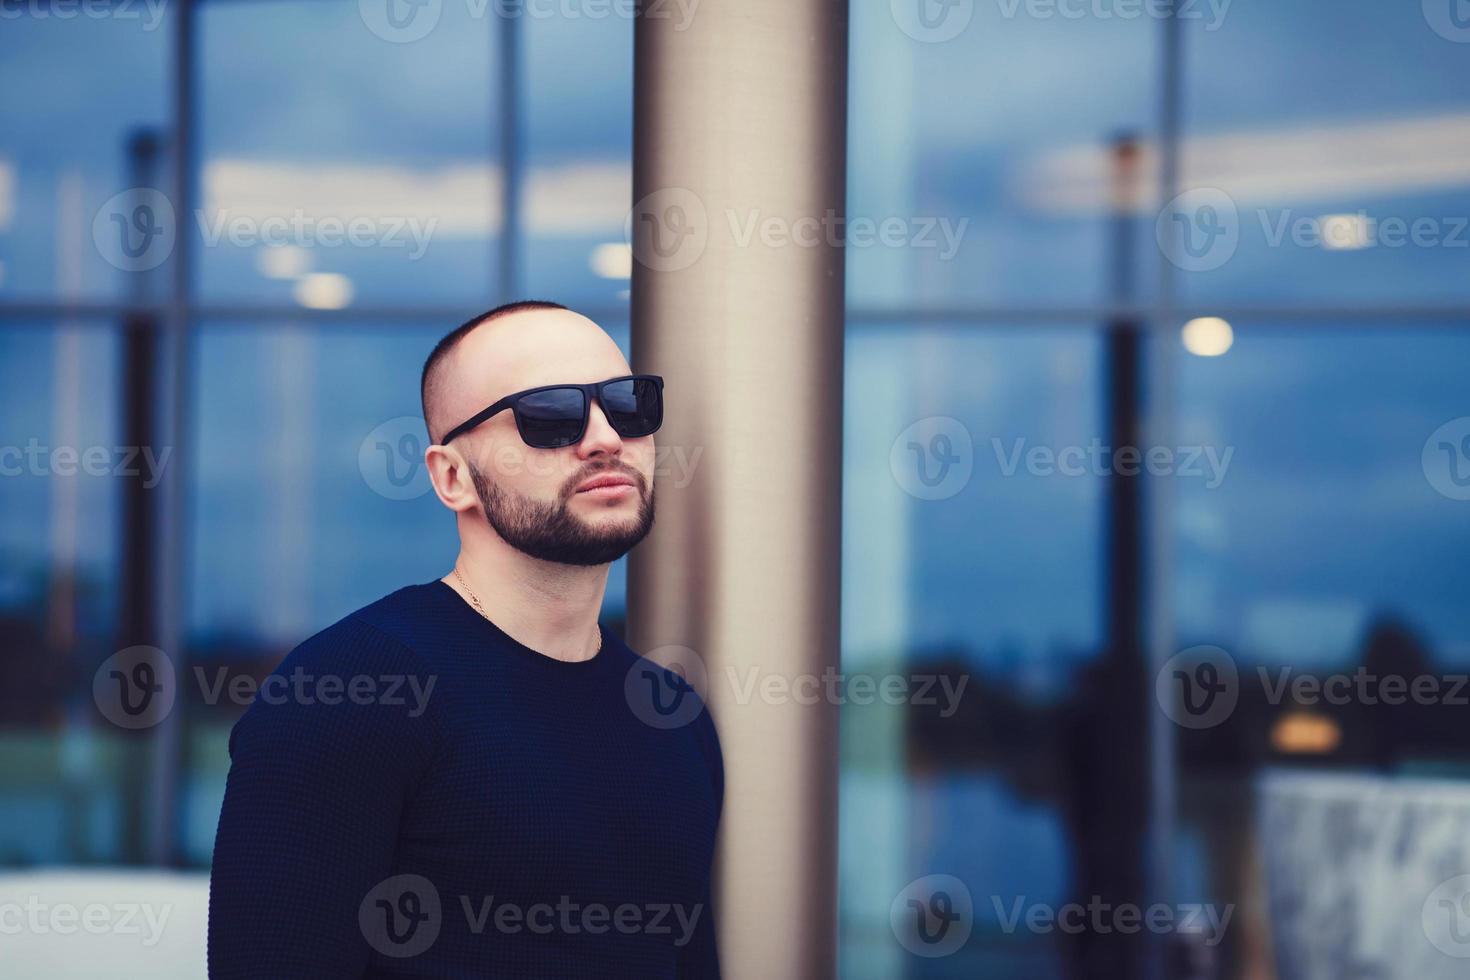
<point x="699" y="959"/>
<point x="322" y="766"/>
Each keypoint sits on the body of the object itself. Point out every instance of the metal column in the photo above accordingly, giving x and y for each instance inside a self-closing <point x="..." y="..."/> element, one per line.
<point x="737" y="299"/>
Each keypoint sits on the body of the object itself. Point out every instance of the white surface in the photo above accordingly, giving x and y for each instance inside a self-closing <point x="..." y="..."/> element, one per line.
<point x="70" y="924"/>
<point x="1367" y="876"/>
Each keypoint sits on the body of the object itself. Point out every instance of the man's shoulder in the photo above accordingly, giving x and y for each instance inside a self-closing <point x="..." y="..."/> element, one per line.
<point x="404" y="615"/>
<point x="351" y="681"/>
<point x="381" y="631"/>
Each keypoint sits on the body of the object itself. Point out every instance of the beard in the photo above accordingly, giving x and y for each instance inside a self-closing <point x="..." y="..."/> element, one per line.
<point x="551" y="532"/>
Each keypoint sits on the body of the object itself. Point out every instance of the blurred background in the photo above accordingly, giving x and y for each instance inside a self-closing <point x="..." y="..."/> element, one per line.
<point x="1244" y="224"/>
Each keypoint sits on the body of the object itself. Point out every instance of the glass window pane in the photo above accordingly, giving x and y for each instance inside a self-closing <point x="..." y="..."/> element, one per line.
<point x="72" y="783"/>
<point x="86" y="94"/>
<point x="344" y="161"/>
<point x="963" y="559"/>
<point x="1331" y="512"/>
<point x="1338" y="146"/>
<point x="980" y="161"/>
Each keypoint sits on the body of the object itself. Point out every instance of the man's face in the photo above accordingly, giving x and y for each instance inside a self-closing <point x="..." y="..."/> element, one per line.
<point x="530" y="496"/>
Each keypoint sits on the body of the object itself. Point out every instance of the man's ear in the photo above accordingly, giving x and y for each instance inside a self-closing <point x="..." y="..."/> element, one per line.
<point x="450" y="475"/>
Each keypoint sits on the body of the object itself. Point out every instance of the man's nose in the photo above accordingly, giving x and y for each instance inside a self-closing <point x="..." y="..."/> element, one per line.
<point x="600" y="436"/>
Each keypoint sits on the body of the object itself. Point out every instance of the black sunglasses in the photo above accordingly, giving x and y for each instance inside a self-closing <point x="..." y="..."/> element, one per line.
<point x="553" y="416"/>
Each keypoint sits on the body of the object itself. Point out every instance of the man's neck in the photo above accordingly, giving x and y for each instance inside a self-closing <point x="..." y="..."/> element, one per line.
<point x="549" y="607"/>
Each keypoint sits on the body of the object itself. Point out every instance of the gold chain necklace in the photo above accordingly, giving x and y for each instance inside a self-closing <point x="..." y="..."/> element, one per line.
<point x="475" y="601"/>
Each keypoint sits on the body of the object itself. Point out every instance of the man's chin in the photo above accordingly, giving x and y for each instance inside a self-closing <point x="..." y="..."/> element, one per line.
<point x="613" y="530"/>
<point x="602" y="549"/>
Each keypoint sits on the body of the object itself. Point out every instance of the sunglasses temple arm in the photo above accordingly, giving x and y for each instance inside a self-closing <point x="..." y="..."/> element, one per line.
<point x="475" y="420"/>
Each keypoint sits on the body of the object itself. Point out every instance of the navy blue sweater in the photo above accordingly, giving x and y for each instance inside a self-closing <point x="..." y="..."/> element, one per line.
<point x="416" y="794"/>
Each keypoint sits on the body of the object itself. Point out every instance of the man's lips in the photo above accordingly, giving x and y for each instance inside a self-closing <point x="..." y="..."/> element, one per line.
<point x="608" y="485"/>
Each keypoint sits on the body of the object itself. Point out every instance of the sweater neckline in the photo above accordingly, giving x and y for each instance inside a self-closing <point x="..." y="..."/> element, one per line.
<point x="502" y="639"/>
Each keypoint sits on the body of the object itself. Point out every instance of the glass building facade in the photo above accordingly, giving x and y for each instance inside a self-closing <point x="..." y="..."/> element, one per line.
<point x="1299" y="344"/>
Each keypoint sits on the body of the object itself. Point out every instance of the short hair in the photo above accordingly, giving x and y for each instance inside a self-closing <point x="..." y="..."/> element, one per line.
<point x="429" y="381"/>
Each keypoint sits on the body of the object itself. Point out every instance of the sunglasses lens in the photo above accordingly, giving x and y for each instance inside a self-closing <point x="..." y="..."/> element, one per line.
<point x="552" y="418"/>
<point x="634" y="407"/>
